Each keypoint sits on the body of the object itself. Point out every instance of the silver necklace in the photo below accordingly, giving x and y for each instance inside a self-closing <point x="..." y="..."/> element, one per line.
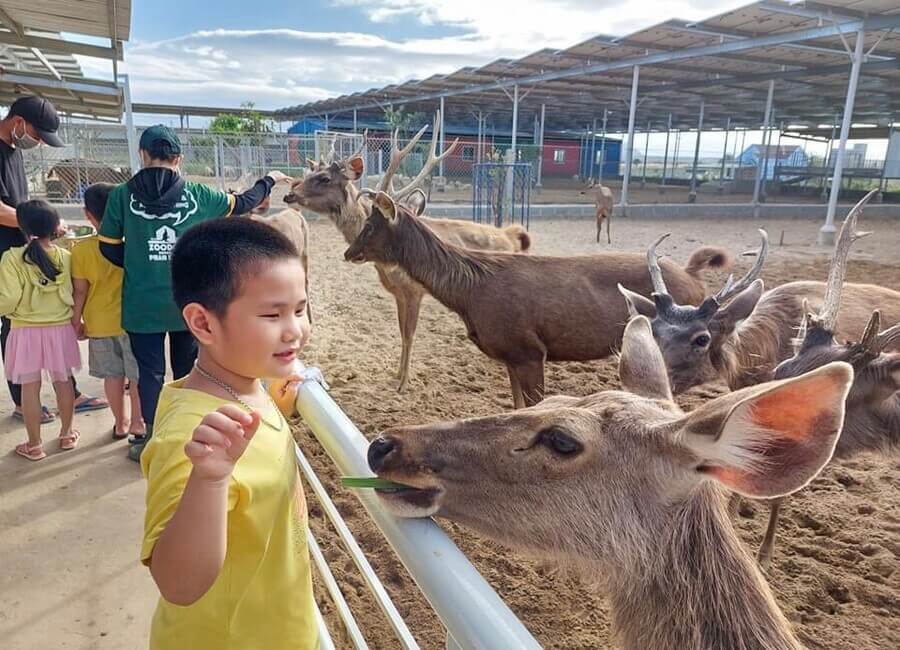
<point x="237" y="398"/>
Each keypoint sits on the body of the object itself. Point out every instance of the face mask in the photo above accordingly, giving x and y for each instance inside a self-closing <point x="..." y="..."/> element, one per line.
<point x="24" y="141"/>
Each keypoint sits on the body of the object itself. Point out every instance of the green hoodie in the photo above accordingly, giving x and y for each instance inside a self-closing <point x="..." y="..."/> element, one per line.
<point x="28" y="298"/>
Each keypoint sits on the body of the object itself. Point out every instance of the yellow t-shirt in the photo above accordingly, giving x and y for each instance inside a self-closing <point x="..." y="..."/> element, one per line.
<point x="262" y="598"/>
<point x="103" y="307"/>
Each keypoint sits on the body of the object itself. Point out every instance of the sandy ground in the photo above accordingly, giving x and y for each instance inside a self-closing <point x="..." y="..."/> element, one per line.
<point x="70" y="525"/>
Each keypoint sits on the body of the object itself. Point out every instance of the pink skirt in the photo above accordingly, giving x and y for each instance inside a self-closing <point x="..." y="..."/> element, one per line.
<point x="33" y="351"/>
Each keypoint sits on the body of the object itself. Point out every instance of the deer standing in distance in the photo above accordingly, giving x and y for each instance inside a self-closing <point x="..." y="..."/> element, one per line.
<point x="603" y="201"/>
<point x="626" y="488"/>
<point x="740" y="334"/>
<point x="523" y="310"/>
<point x="328" y="189"/>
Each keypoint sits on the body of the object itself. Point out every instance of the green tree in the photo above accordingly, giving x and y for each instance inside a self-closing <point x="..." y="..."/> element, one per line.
<point x="248" y="121"/>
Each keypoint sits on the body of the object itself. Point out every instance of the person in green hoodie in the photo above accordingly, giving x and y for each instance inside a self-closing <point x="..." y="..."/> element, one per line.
<point x="143" y="221"/>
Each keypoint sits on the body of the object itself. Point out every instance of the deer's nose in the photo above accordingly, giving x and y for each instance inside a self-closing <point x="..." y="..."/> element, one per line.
<point x="379" y="451"/>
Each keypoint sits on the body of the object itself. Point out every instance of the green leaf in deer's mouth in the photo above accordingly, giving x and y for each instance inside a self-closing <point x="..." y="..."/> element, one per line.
<point x="375" y="483"/>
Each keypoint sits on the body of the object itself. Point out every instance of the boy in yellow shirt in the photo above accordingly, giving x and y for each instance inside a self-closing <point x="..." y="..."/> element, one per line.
<point x="97" y="314"/>
<point x="225" y="528"/>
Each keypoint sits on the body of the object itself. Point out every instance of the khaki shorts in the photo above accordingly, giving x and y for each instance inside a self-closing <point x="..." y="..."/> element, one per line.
<point x="111" y="357"/>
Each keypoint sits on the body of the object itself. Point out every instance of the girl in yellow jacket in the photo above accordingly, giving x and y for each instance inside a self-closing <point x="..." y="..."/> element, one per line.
<point x="36" y="295"/>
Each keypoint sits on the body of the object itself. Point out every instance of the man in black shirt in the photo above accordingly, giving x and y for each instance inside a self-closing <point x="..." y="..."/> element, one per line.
<point x="30" y="122"/>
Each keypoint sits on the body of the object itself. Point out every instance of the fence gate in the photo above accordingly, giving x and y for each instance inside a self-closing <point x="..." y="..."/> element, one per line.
<point x="501" y="193"/>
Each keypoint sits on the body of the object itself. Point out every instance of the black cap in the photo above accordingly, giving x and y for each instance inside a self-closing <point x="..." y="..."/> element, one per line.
<point x="40" y="114"/>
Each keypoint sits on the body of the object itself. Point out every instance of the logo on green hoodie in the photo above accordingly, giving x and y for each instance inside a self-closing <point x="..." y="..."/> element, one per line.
<point x="183" y="210"/>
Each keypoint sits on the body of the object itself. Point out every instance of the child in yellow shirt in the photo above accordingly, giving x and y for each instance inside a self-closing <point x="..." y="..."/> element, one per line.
<point x="97" y="284"/>
<point x="226" y="522"/>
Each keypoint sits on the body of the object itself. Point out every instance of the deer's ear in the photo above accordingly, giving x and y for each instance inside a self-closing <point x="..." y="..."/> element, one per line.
<point x="771" y="440"/>
<point x="353" y="168"/>
<point x="642" y="369"/>
<point x="637" y="304"/>
<point x="416" y="202"/>
<point x="311" y="164"/>
<point x="386" y="205"/>
<point x="742" y="305"/>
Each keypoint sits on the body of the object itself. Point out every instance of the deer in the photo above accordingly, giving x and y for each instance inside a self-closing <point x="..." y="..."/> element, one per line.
<point x="522" y="310"/>
<point x="739" y="334"/>
<point x="328" y="189"/>
<point x="603" y="201"/>
<point x="873" y="405"/>
<point x="626" y="489"/>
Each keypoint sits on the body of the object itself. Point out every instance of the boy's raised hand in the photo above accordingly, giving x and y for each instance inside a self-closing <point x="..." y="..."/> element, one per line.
<point x="219" y="441"/>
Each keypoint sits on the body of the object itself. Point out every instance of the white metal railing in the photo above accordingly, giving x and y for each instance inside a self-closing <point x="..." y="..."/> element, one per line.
<point x="473" y="614"/>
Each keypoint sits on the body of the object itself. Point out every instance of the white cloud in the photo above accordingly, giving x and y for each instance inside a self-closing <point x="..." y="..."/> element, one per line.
<point x="279" y="67"/>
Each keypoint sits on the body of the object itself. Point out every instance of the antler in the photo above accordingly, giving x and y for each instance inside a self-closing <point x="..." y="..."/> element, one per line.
<point x="397" y="156"/>
<point x="875" y="342"/>
<point x="827" y="318"/>
<point x="656" y="276"/>
<point x="433" y="159"/>
<point x="731" y="287"/>
<point x="888" y="338"/>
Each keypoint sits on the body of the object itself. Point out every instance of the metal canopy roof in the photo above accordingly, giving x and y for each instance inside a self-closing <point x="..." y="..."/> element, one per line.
<point x="35" y="59"/>
<point x="725" y="61"/>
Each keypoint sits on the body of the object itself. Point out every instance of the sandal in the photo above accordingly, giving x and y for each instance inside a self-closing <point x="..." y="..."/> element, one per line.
<point x="90" y="404"/>
<point x="46" y="416"/>
<point x="119" y="436"/>
<point x="137" y="438"/>
<point x="31" y="453"/>
<point x="69" y="441"/>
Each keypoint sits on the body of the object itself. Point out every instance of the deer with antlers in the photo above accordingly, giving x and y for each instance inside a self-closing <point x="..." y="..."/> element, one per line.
<point x="740" y="334"/>
<point x="329" y="189"/>
<point x="522" y="310"/>
<point x="603" y="202"/>
<point x="705" y="343"/>
<point x="873" y="405"/>
<point x="625" y="487"/>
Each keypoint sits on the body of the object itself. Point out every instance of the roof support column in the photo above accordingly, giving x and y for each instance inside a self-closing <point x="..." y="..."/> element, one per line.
<point x="515" y="124"/>
<point x="692" y="194"/>
<point x="882" y="182"/>
<point x="354" y="120"/>
<point x="760" y="170"/>
<point x="478" y="139"/>
<point x="826" y="233"/>
<point x="326" y="121"/>
<point x="828" y="157"/>
<point x="540" y="157"/>
<point x="593" y="147"/>
<point x="646" y="149"/>
<point x="629" y="150"/>
<point x="724" y="151"/>
<point x="134" y="157"/>
<point x="441" y="143"/>
<point x="602" y="146"/>
<point x="662" y="187"/>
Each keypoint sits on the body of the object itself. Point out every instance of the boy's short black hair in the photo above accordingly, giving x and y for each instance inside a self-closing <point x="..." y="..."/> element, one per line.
<point x="95" y="198"/>
<point x="212" y="259"/>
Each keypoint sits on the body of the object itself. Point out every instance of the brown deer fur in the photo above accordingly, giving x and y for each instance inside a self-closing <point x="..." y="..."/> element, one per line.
<point x="329" y="190"/>
<point x="522" y="310"/>
<point x="623" y="486"/>
<point x="603" y="201"/>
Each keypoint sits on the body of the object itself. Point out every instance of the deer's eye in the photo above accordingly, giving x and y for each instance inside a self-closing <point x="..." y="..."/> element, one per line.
<point x="560" y="442"/>
<point x="701" y="340"/>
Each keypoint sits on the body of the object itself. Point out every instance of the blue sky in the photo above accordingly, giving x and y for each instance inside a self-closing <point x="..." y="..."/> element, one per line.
<point x="287" y="53"/>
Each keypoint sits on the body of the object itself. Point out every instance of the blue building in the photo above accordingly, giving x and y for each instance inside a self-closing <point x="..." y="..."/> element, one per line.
<point x="786" y="156"/>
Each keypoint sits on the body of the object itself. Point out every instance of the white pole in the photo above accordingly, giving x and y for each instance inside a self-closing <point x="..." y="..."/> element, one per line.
<point x="646" y="150"/>
<point x="354" y="120"/>
<point x="662" y="187"/>
<point x="134" y="157"/>
<point x="515" y="123"/>
<point x="632" y="108"/>
<point x="692" y="194"/>
<point x="826" y="233"/>
<point x="441" y="125"/>
<point x="760" y="171"/>
<point x="724" y="150"/>
<point x="602" y="147"/>
<point x="540" y="160"/>
<point x="478" y="140"/>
